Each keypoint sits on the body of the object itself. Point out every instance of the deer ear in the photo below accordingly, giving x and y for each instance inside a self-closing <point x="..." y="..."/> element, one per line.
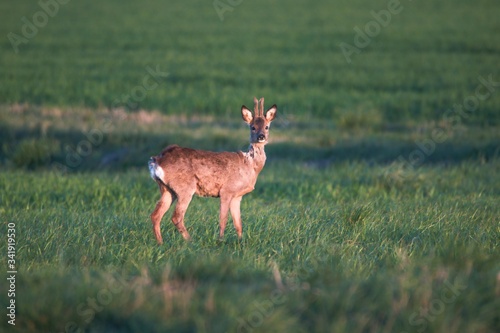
<point x="271" y="113"/>
<point x="246" y="114"/>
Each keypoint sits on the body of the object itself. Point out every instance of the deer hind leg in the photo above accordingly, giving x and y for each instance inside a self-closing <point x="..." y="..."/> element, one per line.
<point x="161" y="208"/>
<point x="225" y="201"/>
<point x="236" y="215"/>
<point x="180" y="211"/>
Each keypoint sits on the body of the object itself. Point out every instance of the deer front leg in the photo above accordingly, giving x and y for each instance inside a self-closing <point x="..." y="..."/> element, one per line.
<point x="180" y="211"/>
<point x="236" y="215"/>
<point x="224" y="209"/>
<point x="161" y="208"/>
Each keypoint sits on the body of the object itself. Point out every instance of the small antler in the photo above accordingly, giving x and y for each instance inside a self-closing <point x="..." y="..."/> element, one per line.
<point x="262" y="106"/>
<point x="255" y="107"/>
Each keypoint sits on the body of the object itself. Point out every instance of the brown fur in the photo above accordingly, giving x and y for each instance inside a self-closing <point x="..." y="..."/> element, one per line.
<point x="183" y="172"/>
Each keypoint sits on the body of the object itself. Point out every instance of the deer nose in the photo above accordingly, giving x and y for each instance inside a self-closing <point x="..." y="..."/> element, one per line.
<point x="261" y="137"/>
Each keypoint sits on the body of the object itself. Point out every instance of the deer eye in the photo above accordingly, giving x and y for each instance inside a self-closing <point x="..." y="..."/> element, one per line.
<point x="267" y="127"/>
<point x="253" y="128"/>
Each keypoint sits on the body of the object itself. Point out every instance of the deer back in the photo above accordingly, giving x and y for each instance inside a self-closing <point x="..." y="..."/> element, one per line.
<point x="206" y="173"/>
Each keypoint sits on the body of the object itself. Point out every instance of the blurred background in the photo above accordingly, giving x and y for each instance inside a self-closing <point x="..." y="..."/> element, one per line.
<point x="423" y="60"/>
<point x="379" y="66"/>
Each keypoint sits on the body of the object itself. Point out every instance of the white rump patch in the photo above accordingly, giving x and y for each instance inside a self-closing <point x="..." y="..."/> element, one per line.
<point x="160" y="173"/>
<point x="156" y="172"/>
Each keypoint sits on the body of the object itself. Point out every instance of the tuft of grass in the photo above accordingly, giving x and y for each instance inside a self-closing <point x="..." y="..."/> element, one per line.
<point x="34" y="153"/>
<point x="355" y="215"/>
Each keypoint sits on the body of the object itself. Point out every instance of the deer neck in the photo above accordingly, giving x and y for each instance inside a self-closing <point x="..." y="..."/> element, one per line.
<point x="257" y="156"/>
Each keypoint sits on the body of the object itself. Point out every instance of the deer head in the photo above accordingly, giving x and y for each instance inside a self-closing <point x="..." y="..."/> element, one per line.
<point x="259" y="121"/>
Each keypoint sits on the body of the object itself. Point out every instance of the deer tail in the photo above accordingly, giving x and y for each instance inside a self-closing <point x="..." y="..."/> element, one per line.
<point x="156" y="170"/>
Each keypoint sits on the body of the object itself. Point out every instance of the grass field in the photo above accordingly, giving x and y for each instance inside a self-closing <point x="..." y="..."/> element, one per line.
<point x="377" y="210"/>
<point x="94" y="54"/>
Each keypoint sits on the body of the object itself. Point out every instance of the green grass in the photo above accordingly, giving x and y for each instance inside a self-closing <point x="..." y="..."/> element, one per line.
<point x="325" y="249"/>
<point x="92" y="54"/>
<point x="338" y="235"/>
<point x="342" y="233"/>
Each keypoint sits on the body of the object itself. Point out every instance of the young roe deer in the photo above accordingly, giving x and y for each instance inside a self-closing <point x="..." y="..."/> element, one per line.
<point x="183" y="172"/>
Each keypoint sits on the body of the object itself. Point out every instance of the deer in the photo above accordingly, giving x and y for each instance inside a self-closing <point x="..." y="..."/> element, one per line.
<point x="183" y="172"/>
